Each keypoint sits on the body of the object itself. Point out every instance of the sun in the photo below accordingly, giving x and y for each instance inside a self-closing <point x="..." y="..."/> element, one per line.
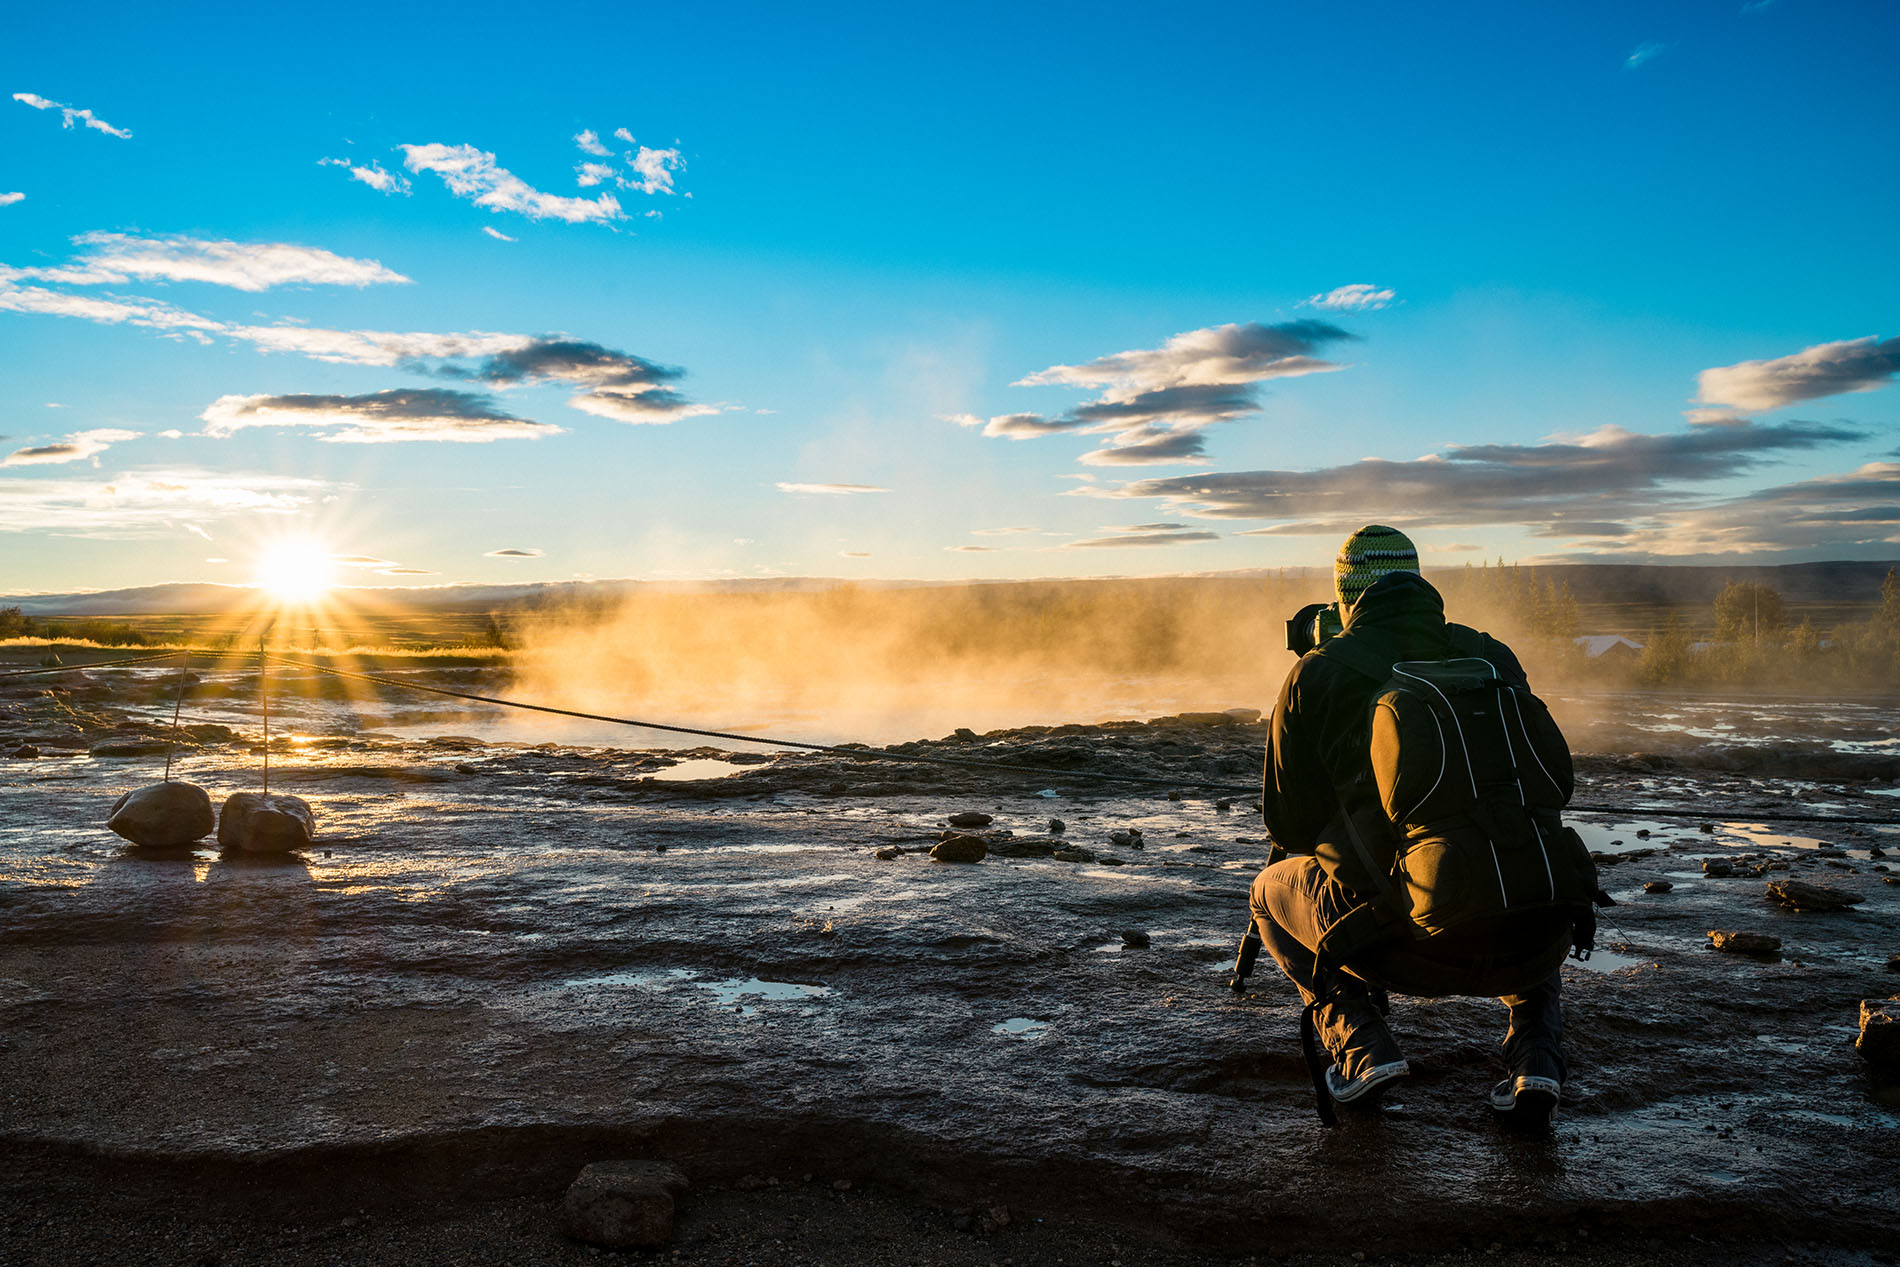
<point x="296" y="571"/>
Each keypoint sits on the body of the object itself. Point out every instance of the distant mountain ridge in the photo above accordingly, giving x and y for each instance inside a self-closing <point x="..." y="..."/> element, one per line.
<point x="1832" y="583"/>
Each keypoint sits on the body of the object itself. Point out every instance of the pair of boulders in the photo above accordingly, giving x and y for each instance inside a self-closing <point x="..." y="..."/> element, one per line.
<point x="173" y="815"/>
<point x="623" y="1204"/>
<point x="1801" y="896"/>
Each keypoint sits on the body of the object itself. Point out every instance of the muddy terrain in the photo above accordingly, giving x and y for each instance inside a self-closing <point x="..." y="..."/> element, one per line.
<point x="502" y="961"/>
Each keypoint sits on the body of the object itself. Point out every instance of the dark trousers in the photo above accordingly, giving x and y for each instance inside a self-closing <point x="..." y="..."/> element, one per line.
<point x="1294" y="901"/>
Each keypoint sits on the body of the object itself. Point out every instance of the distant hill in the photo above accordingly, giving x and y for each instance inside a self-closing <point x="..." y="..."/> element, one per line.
<point x="1603" y="589"/>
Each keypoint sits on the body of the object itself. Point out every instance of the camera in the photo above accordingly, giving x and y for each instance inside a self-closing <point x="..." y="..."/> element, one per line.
<point x="1312" y="625"/>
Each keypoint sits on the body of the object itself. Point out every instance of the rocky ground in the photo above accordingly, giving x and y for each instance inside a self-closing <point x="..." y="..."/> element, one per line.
<point x="501" y="963"/>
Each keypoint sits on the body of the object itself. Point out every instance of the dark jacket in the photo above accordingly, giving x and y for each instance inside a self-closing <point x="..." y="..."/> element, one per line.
<point x="1319" y="746"/>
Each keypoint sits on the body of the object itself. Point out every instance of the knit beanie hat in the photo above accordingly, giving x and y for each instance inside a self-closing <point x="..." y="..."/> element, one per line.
<point x="1372" y="552"/>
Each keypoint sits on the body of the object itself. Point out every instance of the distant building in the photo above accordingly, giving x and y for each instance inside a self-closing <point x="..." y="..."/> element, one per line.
<point x="1609" y="648"/>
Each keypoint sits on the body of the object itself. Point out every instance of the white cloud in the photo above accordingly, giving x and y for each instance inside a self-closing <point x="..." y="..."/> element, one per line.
<point x="497" y="234"/>
<point x="511" y="553"/>
<point x="839" y="490"/>
<point x="1357" y="297"/>
<point x="589" y="174"/>
<point x="655" y="169"/>
<point x="75" y="448"/>
<point x="7" y="200"/>
<point x="590" y="143"/>
<point x="252" y="266"/>
<point x="1826" y="369"/>
<point x="386" y="417"/>
<point x="54" y="303"/>
<point x="474" y="174"/>
<point x="973" y="549"/>
<point x="854" y="554"/>
<point x="623" y="135"/>
<point x="1643" y="54"/>
<point x="374" y="347"/>
<point x="70" y="115"/>
<point x="148" y="503"/>
<point x="373" y="174"/>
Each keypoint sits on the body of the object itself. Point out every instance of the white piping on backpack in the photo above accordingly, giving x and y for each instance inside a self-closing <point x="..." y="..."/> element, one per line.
<point x="1440" y="778"/>
<point x="1510" y="750"/>
<point x="1503" y="893"/>
<point x="1527" y="734"/>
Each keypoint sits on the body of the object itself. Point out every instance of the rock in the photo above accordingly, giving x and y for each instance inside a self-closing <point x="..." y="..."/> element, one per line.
<point x="1893" y="963"/>
<point x="1801" y="896"/>
<point x="258" y="823"/>
<point x="1057" y="827"/>
<point x="1073" y="854"/>
<point x="1174" y="795"/>
<point x="163" y="815"/>
<point x="25" y="752"/>
<point x="887" y="853"/>
<point x="1707" y="829"/>
<point x="1134" y="939"/>
<point x="994" y="1220"/>
<point x="1129" y="839"/>
<point x="129" y="748"/>
<point x="963" y="733"/>
<point x="1717" y="867"/>
<point x="969" y="819"/>
<point x="1223" y="805"/>
<point x="622" y="1204"/>
<point x="1735" y="943"/>
<point x="1110" y="860"/>
<point x="961" y="848"/>
<point x="1658" y="886"/>
<point x="1879" y="1039"/>
<point x="1642" y="833"/>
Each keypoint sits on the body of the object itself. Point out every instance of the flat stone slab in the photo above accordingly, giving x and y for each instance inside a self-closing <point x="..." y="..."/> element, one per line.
<point x="505" y="976"/>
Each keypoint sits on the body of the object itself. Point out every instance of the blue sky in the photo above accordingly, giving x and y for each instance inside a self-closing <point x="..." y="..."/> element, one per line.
<point x="992" y="293"/>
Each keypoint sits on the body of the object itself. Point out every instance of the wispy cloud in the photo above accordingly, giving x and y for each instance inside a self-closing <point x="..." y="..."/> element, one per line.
<point x="7" y="200"/>
<point x="474" y="174"/>
<point x="70" y="115"/>
<point x="512" y="553"/>
<point x="835" y="490"/>
<point x="617" y="385"/>
<point x="1594" y="485"/>
<point x="1157" y="401"/>
<point x="401" y="414"/>
<point x="1826" y="369"/>
<point x="854" y="554"/>
<point x="115" y="258"/>
<point x="1643" y="54"/>
<point x="1357" y="297"/>
<point x="74" y="448"/>
<point x="406" y="572"/>
<point x="148" y="503"/>
<point x="373" y="174"/>
<point x="497" y="234"/>
<point x="1158" y="535"/>
<point x="999" y="532"/>
<point x="973" y="549"/>
<point x="590" y="144"/>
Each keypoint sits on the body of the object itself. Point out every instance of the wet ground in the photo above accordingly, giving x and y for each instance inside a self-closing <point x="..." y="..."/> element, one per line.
<point x="502" y="962"/>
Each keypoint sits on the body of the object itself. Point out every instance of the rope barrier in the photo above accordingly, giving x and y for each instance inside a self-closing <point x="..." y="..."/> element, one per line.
<point x="96" y="664"/>
<point x="873" y="754"/>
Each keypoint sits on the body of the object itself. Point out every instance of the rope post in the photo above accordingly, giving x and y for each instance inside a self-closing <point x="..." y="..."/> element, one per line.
<point x="178" y="704"/>
<point x="263" y="697"/>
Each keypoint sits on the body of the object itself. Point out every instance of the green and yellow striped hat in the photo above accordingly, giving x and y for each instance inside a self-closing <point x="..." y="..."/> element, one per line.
<point x="1372" y="552"/>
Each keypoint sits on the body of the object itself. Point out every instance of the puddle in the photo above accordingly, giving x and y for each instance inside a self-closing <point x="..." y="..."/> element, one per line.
<point x="733" y="989"/>
<point x="1619" y="835"/>
<point x="1601" y="960"/>
<point x="1021" y="1027"/>
<point x="694" y="769"/>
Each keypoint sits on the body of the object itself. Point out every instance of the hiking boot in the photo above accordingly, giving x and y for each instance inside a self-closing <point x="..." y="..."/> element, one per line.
<point x="1528" y="1098"/>
<point x="1365" y="1090"/>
